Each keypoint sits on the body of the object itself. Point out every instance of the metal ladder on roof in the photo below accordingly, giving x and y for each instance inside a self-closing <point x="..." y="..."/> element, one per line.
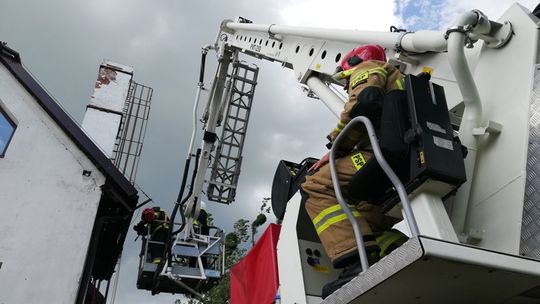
<point x="228" y="156"/>
<point x="132" y="129"/>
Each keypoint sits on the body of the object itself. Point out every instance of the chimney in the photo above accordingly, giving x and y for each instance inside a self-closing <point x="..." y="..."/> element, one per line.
<point x="104" y="112"/>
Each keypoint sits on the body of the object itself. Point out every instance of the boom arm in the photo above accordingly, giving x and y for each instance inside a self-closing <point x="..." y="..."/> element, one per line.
<point x="319" y="50"/>
<point x="314" y="53"/>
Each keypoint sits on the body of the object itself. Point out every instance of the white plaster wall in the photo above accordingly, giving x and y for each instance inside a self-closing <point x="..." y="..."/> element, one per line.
<point x="48" y="206"/>
<point x="102" y="127"/>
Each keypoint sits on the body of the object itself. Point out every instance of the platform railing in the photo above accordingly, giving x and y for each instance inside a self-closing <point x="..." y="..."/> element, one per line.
<point x="400" y="188"/>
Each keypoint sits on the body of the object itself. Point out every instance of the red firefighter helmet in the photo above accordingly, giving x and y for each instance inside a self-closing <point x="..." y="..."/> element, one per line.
<point x="362" y="53"/>
<point x="147" y="215"/>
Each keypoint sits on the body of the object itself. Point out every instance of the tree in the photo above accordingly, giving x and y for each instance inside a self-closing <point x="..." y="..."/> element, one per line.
<point x="260" y="219"/>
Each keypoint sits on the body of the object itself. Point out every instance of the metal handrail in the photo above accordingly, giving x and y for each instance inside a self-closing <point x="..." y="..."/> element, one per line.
<point x="409" y="216"/>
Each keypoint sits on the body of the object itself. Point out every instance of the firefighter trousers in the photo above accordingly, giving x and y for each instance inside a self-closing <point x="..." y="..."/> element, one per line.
<point x="157" y="245"/>
<point x="330" y="221"/>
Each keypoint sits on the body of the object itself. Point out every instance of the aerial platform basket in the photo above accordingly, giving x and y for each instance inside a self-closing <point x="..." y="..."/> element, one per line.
<point x="195" y="267"/>
<point x="426" y="270"/>
<point x="170" y="285"/>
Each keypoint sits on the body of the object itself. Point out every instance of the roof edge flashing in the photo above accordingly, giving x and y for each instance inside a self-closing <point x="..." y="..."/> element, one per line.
<point x="117" y="66"/>
<point x="6" y="50"/>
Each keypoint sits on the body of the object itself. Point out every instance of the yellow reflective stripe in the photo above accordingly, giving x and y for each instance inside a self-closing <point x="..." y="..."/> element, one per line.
<point x="160" y="226"/>
<point x="399" y="84"/>
<point x="334" y="220"/>
<point x="343" y="74"/>
<point x="326" y="212"/>
<point x="340" y="126"/>
<point x="388" y="238"/>
<point x="380" y="71"/>
<point x="361" y="77"/>
<point x="348" y="72"/>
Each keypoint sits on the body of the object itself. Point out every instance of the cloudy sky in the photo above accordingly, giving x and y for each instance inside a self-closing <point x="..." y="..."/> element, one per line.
<point x="62" y="42"/>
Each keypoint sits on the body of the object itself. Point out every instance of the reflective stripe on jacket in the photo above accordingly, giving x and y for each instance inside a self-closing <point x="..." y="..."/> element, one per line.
<point x="161" y="221"/>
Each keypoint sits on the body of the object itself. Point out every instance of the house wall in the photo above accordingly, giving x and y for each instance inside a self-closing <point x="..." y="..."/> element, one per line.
<point x="48" y="205"/>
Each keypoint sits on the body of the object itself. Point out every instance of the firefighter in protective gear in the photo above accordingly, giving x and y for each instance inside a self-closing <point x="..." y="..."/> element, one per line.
<point x="156" y="222"/>
<point x="200" y="224"/>
<point x="368" y="79"/>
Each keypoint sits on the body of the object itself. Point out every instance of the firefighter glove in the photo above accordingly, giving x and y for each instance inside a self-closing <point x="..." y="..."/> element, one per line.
<point x="140" y="228"/>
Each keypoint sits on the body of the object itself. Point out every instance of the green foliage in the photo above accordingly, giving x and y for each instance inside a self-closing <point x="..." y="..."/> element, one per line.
<point x="231" y="243"/>
<point x="265" y="207"/>
<point x="220" y="294"/>
<point x="259" y="221"/>
<point x="240" y="228"/>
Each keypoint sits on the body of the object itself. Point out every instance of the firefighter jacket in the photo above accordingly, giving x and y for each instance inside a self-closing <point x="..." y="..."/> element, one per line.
<point x="160" y="221"/>
<point x="367" y="83"/>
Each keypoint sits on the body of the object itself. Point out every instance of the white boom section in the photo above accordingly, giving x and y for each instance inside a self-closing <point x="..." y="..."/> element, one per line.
<point x="505" y="80"/>
<point x="214" y="107"/>
<point x="320" y="50"/>
<point x="330" y="99"/>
